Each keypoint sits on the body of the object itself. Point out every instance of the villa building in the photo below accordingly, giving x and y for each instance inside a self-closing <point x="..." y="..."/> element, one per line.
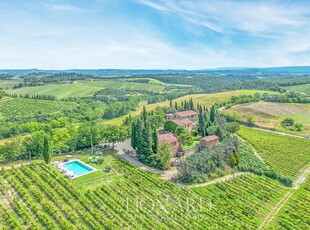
<point x="172" y="141"/>
<point x="208" y="141"/>
<point x="189" y="114"/>
<point x="186" y="123"/>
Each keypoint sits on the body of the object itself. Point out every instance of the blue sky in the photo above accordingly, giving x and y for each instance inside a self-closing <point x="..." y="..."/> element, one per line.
<point x="153" y="34"/>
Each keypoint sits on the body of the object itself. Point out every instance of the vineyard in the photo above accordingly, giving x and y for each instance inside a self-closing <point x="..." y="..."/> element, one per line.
<point x="285" y="154"/>
<point x="83" y="88"/>
<point x="295" y="214"/>
<point x="44" y="199"/>
<point x="20" y="107"/>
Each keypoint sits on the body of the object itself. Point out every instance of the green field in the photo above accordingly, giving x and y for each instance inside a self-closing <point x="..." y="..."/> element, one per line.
<point x="300" y="88"/>
<point x="84" y="88"/>
<point x="155" y="82"/>
<point x="207" y="99"/>
<point x="270" y="114"/>
<point x="21" y="107"/>
<point x="285" y="154"/>
<point x="295" y="213"/>
<point x="45" y="199"/>
<point x="8" y="84"/>
<point x="202" y="99"/>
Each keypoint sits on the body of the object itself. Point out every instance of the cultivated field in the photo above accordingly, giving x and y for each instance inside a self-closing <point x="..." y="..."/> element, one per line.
<point x="21" y="107"/>
<point x="155" y="82"/>
<point x="84" y="88"/>
<point x="300" y="88"/>
<point x="45" y="199"/>
<point x="270" y="114"/>
<point x="295" y="213"/>
<point x="8" y="84"/>
<point x="285" y="154"/>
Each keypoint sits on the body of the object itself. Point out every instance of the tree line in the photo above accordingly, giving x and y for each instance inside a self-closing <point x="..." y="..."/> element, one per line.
<point x="62" y="140"/>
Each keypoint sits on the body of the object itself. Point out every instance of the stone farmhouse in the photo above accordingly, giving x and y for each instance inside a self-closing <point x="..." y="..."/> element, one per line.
<point x="172" y="141"/>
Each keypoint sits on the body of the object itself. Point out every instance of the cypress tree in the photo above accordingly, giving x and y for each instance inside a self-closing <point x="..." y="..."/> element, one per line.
<point x="201" y="122"/>
<point x="144" y="116"/>
<point x="170" y="103"/>
<point x="176" y="105"/>
<point x="212" y="114"/>
<point x="133" y="136"/>
<point x="155" y="141"/>
<point x="146" y="143"/>
<point x="46" y="150"/>
<point x="138" y="136"/>
<point x="191" y="104"/>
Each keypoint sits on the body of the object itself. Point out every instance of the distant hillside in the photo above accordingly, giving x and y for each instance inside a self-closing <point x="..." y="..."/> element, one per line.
<point x="290" y="70"/>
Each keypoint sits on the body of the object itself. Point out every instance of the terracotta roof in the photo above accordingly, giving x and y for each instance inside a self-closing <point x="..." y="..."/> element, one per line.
<point x="169" y="137"/>
<point x="210" y="138"/>
<point x="184" y="121"/>
<point x="187" y="113"/>
<point x="169" y="114"/>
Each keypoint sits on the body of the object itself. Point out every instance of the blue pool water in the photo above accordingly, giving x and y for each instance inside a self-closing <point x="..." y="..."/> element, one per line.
<point x="78" y="168"/>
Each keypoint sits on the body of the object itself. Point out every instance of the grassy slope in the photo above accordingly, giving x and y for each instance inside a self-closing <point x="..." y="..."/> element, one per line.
<point x="202" y="99"/>
<point x="300" y="88"/>
<point x="8" y="84"/>
<point x="84" y="88"/>
<point x="157" y="82"/>
<point x="285" y="154"/>
<point x="270" y="114"/>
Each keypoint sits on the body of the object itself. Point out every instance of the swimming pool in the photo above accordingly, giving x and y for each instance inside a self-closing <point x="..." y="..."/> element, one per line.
<point x="78" y="168"/>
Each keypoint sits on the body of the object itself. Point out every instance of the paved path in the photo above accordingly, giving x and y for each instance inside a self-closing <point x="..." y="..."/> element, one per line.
<point x="165" y="174"/>
<point x="277" y="132"/>
<point x="168" y="174"/>
<point x="219" y="180"/>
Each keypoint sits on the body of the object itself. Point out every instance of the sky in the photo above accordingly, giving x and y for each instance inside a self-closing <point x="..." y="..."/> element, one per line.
<point x="153" y="34"/>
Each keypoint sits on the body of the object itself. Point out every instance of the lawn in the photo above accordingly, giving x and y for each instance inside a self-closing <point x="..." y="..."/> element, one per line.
<point x="300" y="88"/>
<point x="98" y="178"/>
<point x="84" y="88"/>
<point x="270" y="114"/>
<point x="285" y="154"/>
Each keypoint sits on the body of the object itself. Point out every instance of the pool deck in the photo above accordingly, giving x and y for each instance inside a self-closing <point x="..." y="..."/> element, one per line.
<point x="69" y="172"/>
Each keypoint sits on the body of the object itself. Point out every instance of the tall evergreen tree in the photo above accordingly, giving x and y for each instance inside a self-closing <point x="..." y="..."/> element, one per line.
<point x="133" y="135"/>
<point x="155" y="141"/>
<point x="201" y="122"/>
<point x="191" y="104"/>
<point x="170" y="103"/>
<point x="176" y="105"/>
<point x="144" y="116"/>
<point x="46" y="150"/>
<point x="212" y="114"/>
<point x="138" y="136"/>
<point x="146" y="142"/>
<point x="185" y="105"/>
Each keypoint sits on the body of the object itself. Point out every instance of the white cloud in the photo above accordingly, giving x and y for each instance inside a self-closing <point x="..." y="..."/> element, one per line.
<point x="258" y="17"/>
<point x="62" y="7"/>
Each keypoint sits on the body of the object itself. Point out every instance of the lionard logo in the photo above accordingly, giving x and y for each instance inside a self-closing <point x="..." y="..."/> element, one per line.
<point x="169" y="205"/>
